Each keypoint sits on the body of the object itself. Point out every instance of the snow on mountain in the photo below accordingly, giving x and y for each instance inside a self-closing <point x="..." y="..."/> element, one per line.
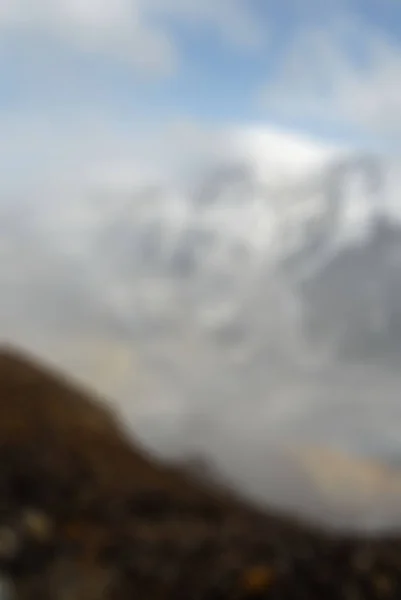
<point x="257" y="288"/>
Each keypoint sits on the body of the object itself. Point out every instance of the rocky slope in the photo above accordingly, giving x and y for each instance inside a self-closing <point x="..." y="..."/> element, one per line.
<point x="86" y="515"/>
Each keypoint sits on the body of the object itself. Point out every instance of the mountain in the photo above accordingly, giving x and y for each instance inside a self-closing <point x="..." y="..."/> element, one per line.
<point x="269" y="274"/>
<point x="86" y="514"/>
<point x="355" y="298"/>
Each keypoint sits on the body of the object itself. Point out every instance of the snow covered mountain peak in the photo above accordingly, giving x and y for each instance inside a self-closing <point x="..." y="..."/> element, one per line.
<point x="262" y="267"/>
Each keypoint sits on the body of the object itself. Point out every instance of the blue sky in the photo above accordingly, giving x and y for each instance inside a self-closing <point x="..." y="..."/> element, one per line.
<point x="330" y="69"/>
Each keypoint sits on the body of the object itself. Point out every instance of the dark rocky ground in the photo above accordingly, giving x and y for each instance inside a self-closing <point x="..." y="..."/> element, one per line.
<point x="85" y="515"/>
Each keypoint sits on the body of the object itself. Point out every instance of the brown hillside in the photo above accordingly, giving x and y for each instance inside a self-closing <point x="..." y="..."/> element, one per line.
<point x="84" y="515"/>
<point x="73" y="436"/>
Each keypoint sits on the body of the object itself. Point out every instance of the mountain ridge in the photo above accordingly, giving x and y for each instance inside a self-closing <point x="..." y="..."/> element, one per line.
<point x="203" y="304"/>
<point x="86" y="515"/>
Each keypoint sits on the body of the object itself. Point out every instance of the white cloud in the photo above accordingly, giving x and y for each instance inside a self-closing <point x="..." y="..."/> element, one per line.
<point x="321" y="78"/>
<point x="267" y="147"/>
<point x="136" y="31"/>
<point x="119" y="28"/>
<point x="53" y="147"/>
<point x="61" y="292"/>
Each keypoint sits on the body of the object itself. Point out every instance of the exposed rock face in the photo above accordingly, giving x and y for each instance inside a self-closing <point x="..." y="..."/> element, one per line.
<point x="85" y="515"/>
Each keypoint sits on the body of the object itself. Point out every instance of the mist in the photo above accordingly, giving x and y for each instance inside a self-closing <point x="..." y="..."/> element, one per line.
<point x="243" y="308"/>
